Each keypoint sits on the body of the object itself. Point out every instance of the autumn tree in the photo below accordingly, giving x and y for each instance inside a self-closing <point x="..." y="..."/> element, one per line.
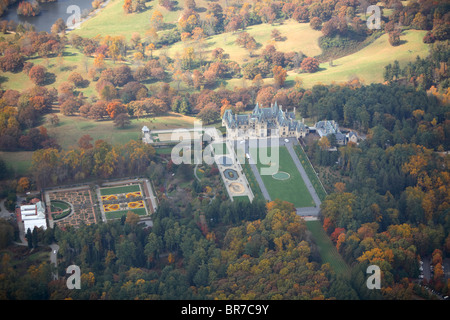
<point x="279" y="75"/>
<point x="131" y="6"/>
<point x="209" y="113"/>
<point x="37" y="74"/>
<point x="156" y="20"/>
<point x="115" y="108"/>
<point x="310" y="65"/>
<point x="76" y="79"/>
<point x="276" y="35"/>
<point x="23" y="184"/>
<point x="122" y="120"/>
<point x="12" y="60"/>
<point x="59" y="26"/>
<point x="316" y="23"/>
<point x="85" y="142"/>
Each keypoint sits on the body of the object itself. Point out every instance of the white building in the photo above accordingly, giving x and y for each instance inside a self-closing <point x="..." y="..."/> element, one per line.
<point x="146" y="138"/>
<point x="33" y="215"/>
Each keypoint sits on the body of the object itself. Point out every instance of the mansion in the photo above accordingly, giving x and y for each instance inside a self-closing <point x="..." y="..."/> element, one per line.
<point x="264" y="122"/>
<point x="274" y="122"/>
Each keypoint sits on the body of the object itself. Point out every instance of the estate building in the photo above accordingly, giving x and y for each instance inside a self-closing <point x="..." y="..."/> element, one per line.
<point x="263" y="122"/>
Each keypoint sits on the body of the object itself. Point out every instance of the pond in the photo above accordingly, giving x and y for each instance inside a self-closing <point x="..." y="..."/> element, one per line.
<point x="50" y="12"/>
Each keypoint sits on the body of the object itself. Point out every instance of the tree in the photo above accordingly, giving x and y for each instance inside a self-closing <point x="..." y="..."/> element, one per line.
<point x="132" y="218"/>
<point x="23" y="184"/>
<point x="59" y="26"/>
<point x="209" y="113"/>
<point x="29" y="238"/>
<point x="157" y="20"/>
<point x="37" y="74"/>
<point x="279" y="75"/>
<point x="310" y="65"/>
<point x="324" y="143"/>
<point x="276" y="35"/>
<point x="76" y="79"/>
<point x="394" y="38"/>
<point x="54" y="120"/>
<point x="85" y="142"/>
<point x="99" y="62"/>
<point x="122" y="120"/>
<point x="316" y="23"/>
<point x="115" y="108"/>
<point x="11" y="60"/>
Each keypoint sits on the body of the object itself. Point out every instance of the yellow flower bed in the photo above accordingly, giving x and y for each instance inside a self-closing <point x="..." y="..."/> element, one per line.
<point x="136" y="204"/>
<point x="134" y="194"/>
<point x="110" y="207"/>
<point x="110" y="197"/>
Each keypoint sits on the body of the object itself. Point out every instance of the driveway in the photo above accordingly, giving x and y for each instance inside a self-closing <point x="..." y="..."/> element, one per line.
<point x="4" y="213"/>
<point x="54" y="258"/>
<point x="309" y="211"/>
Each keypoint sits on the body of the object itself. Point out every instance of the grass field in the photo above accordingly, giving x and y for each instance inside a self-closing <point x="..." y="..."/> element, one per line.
<point x="292" y="189"/>
<point x="367" y="64"/>
<point x="327" y="250"/>
<point x="118" y="190"/>
<point x="113" y="21"/>
<point x="297" y="37"/>
<point x="19" y="161"/>
<point x="71" y="128"/>
<point x="61" y="67"/>
<point x="119" y="214"/>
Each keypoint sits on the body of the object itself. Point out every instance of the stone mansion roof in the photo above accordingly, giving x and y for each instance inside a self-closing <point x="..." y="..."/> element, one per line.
<point x="274" y="116"/>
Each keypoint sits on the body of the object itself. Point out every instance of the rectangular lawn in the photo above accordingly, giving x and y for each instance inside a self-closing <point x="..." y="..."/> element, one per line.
<point x="118" y="214"/>
<point x="118" y="190"/>
<point x="292" y="189"/>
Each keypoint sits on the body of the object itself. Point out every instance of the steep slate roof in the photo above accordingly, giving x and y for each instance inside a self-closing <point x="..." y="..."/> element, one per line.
<point x="273" y="116"/>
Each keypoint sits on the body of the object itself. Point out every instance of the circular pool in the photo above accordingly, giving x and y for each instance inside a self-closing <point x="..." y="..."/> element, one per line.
<point x="230" y="174"/>
<point x="281" y="175"/>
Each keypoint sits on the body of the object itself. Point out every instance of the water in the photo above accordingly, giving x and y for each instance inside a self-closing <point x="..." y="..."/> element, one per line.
<point x="50" y="12"/>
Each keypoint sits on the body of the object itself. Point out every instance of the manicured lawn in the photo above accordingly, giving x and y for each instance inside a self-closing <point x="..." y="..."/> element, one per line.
<point x="71" y="128"/>
<point x="327" y="250"/>
<point x="241" y="198"/>
<point x="119" y="214"/>
<point x="118" y="190"/>
<point x="292" y="189"/>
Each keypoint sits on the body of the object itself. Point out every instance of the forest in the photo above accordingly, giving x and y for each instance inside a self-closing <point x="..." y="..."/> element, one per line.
<point x="389" y="202"/>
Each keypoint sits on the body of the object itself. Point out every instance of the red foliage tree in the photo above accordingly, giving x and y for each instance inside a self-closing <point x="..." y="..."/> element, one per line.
<point x="310" y="65"/>
<point x="115" y="107"/>
<point x="37" y="74"/>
